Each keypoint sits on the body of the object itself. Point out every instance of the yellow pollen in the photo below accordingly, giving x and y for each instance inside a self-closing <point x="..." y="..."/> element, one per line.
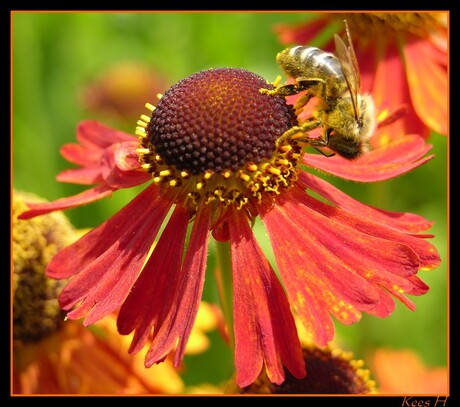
<point x="199" y="185"/>
<point x="142" y="124"/>
<point x="145" y="166"/>
<point x="150" y="107"/>
<point x="382" y="115"/>
<point x="208" y="175"/>
<point x="283" y="161"/>
<point x="173" y="183"/>
<point x="165" y="173"/>
<point x="226" y="174"/>
<point x="156" y="180"/>
<point x="184" y="174"/>
<point x="159" y="96"/>
<point x="275" y="171"/>
<point x="251" y="167"/>
<point x="286" y="148"/>
<point x="145" y="118"/>
<point x="244" y="176"/>
<point x="142" y="150"/>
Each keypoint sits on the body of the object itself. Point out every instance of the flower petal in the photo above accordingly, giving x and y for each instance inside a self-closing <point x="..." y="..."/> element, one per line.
<point x="83" y="198"/>
<point x="180" y="319"/>
<point x="342" y="267"/>
<point x="93" y="137"/>
<point x="152" y="296"/>
<point x="428" y="83"/>
<point x="87" y="175"/>
<point x="426" y="252"/>
<point x="391" y="69"/>
<point x="300" y="33"/>
<point x="107" y="260"/>
<point x="121" y="167"/>
<point x="263" y="323"/>
<point x="404" y="222"/>
<point x="380" y="164"/>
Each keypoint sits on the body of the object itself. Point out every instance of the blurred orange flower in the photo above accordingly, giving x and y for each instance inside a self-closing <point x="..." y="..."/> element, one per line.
<point x="404" y="372"/>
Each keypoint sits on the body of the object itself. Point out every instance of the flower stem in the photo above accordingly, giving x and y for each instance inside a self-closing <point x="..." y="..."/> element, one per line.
<point x="225" y="285"/>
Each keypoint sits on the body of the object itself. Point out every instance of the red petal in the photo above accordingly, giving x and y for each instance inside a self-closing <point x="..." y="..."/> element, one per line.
<point x="302" y="33"/>
<point x="93" y="138"/>
<point x="95" y="135"/>
<point x="82" y="155"/>
<point x="404" y="222"/>
<point x="182" y="313"/>
<point x="90" y="195"/>
<point x="389" y="161"/>
<point x="83" y="176"/>
<point x="391" y="69"/>
<point x="428" y="83"/>
<point x="263" y="323"/>
<point x="152" y="296"/>
<point x="107" y="260"/>
<point x="121" y="167"/>
<point x="341" y="265"/>
<point x="426" y="252"/>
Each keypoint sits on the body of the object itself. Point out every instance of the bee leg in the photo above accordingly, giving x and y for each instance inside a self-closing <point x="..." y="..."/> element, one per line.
<point x="324" y="153"/>
<point x="296" y="132"/>
<point x="323" y="143"/>
<point x="282" y="90"/>
<point x="294" y="88"/>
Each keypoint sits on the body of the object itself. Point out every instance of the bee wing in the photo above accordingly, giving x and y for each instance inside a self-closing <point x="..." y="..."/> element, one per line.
<point x="350" y="69"/>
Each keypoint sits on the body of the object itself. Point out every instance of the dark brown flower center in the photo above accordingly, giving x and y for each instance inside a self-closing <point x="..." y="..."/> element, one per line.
<point x="215" y="138"/>
<point x="328" y="372"/>
<point x="218" y="120"/>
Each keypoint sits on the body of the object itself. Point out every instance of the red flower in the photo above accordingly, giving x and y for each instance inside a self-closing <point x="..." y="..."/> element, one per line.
<point x="403" y="63"/>
<point x="107" y="158"/>
<point x="214" y="149"/>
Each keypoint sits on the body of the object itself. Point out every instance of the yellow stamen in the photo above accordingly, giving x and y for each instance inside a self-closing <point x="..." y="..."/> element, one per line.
<point x="244" y="176"/>
<point x="150" y="107"/>
<point x="165" y="173"/>
<point x="145" y="118"/>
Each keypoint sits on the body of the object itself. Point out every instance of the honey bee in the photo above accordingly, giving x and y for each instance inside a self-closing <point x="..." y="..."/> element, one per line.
<point x="346" y="116"/>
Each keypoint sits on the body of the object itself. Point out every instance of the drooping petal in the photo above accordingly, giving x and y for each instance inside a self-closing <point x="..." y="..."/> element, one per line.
<point x="152" y="296"/>
<point x="92" y="132"/>
<point x="402" y="221"/>
<point x="83" y="198"/>
<point x="88" y="175"/>
<point x="377" y="165"/>
<point x="428" y="83"/>
<point x="93" y="138"/>
<point x="107" y="260"/>
<point x="181" y="316"/>
<point x="391" y="70"/>
<point x="342" y="267"/>
<point x="264" y="326"/>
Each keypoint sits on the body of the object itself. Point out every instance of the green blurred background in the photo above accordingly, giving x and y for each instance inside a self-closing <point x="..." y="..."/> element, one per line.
<point x="59" y="57"/>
